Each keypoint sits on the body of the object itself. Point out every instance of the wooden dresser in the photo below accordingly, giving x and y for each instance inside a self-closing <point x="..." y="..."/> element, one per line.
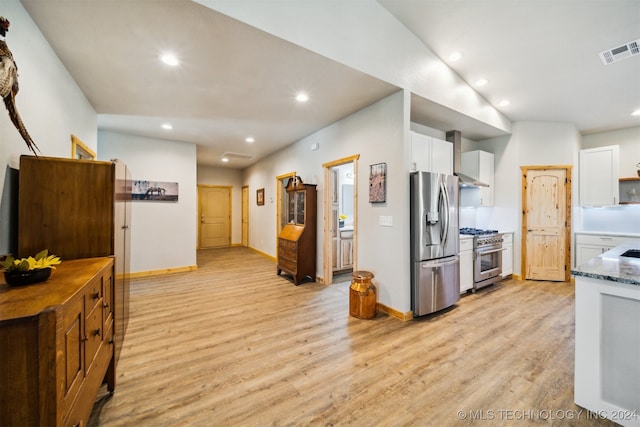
<point x="297" y="240"/>
<point x="56" y="345"/>
<point x="78" y="209"/>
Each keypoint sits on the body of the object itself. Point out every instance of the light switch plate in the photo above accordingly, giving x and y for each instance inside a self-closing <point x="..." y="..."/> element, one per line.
<point x="386" y="221"/>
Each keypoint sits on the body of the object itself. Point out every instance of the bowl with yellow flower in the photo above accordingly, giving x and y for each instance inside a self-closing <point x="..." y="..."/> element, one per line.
<point x="26" y="271"/>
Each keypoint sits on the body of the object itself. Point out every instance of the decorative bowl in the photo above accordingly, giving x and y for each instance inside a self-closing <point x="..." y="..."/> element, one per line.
<point x="19" y="278"/>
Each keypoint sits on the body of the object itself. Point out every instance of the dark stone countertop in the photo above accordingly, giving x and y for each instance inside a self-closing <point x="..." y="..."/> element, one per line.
<point x="613" y="267"/>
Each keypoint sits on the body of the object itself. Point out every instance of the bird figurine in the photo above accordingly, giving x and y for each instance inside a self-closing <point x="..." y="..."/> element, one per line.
<point x="9" y="86"/>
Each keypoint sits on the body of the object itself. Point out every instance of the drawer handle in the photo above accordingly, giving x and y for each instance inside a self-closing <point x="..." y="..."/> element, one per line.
<point x="96" y="332"/>
<point x="105" y="305"/>
<point x="111" y="340"/>
<point x="96" y="295"/>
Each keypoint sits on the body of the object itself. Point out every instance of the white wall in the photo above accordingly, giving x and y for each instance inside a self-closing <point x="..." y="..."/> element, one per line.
<point x="379" y="133"/>
<point x="51" y="106"/>
<point x="163" y="234"/>
<point x="208" y="175"/>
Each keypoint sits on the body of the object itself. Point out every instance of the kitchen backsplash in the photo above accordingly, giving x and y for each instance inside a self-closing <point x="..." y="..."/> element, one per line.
<point x="618" y="219"/>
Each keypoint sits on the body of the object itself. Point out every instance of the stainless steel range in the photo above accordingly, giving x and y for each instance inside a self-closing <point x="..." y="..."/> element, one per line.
<point x="487" y="257"/>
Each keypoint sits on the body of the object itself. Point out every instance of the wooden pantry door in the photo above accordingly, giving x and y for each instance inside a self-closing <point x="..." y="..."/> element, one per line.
<point x="215" y="216"/>
<point x="546" y="222"/>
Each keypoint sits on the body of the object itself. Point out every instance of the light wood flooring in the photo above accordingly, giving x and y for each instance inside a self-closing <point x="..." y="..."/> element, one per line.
<point x="233" y="344"/>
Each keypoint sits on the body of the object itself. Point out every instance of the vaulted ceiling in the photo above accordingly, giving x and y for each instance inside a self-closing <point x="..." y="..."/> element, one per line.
<point x="236" y="81"/>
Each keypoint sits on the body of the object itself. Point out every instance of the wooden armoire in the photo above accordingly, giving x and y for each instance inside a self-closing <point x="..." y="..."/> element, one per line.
<point x="297" y="240"/>
<point x="78" y="209"/>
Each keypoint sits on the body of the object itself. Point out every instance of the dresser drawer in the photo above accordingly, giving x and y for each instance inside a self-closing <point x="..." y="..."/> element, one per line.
<point x="94" y="293"/>
<point x="288" y="265"/>
<point x="287" y="254"/>
<point x="288" y="244"/>
<point x="94" y="332"/>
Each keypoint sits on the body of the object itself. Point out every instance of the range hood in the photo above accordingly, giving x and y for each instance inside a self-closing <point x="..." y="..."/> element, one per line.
<point x="455" y="137"/>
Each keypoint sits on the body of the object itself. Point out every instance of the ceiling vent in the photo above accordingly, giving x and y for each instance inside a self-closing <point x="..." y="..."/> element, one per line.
<point x="236" y="156"/>
<point x="621" y="52"/>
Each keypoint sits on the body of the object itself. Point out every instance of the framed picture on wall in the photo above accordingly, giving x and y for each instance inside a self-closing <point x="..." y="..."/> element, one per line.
<point x="378" y="183"/>
<point x="260" y="196"/>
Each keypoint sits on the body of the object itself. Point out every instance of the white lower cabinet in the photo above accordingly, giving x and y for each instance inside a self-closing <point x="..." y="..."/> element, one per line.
<point x="507" y="254"/>
<point x="346" y="250"/>
<point x="466" y="263"/>
<point x="589" y="246"/>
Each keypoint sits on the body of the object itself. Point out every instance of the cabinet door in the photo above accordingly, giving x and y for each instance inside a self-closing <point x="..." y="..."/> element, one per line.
<point x="420" y="152"/>
<point x="599" y="176"/>
<point x="73" y="356"/>
<point x="507" y="260"/>
<point x="507" y="254"/>
<point x="479" y="165"/>
<point x="466" y="271"/>
<point x="441" y="156"/>
<point x="291" y="208"/>
<point x="486" y="176"/>
<point x="300" y="207"/>
<point x="585" y="252"/>
<point x="346" y="253"/>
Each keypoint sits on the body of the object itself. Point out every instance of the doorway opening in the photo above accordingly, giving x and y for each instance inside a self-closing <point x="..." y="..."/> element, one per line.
<point x="546" y="223"/>
<point x="340" y="217"/>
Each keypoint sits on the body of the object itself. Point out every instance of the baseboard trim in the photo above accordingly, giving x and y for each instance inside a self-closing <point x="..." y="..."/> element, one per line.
<point x="395" y="313"/>
<point x="163" y="271"/>
<point x="263" y="254"/>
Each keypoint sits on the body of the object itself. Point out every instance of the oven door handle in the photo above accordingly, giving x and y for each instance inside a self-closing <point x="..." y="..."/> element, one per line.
<point x="480" y="252"/>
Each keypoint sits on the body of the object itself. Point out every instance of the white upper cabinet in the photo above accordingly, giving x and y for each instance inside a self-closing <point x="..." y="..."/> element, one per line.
<point x="479" y="165"/>
<point x="599" y="176"/>
<point x="431" y="154"/>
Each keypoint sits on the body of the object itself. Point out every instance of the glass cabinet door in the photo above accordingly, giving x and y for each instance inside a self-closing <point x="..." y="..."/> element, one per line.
<point x="300" y="207"/>
<point x="291" y="209"/>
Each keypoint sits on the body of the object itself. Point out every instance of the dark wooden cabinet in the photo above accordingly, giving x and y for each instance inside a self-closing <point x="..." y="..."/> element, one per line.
<point x="78" y="209"/>
<point x="297" y="240"/>
<point x="56" y="345"/>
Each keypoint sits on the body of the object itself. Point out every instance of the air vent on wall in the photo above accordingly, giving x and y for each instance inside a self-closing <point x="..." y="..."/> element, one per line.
<point x="236" y="156"/>
<point x="621" y="52"/>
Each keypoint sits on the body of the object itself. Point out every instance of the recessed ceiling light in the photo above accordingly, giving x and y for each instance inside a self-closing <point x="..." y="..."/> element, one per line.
<point x="224" y="159"/>
<point x="481" y="82"/>
<point x="455" y="56"/>
<point x="169" y="59"/>
<point x="504" y="103"/>
<point x="302" y="97"/>
<point x="250" y="140"/>
<point x="636" y="113"/>
<point x="167" y="126"/>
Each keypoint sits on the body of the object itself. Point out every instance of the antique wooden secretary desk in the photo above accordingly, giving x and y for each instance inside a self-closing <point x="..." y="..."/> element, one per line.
<point x="297" y="240"/>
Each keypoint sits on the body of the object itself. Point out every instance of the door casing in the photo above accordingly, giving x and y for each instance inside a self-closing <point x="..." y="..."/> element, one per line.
<point x="327" y="270"/>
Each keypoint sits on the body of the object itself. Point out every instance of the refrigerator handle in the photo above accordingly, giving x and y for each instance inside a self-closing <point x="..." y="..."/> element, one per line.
<point x="445" y="225"/>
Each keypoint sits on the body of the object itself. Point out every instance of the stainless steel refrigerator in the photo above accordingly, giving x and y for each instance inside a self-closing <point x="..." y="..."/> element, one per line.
<point x="435" y="268"/>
